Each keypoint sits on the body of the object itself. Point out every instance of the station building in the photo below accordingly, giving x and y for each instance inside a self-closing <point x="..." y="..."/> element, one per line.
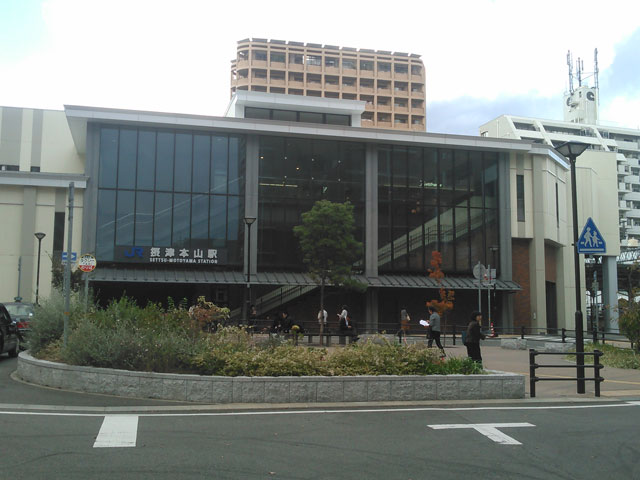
<point x="161" y="201"/>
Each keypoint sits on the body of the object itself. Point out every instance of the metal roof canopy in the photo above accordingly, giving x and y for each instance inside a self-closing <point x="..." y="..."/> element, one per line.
<point x="155" y="275"/>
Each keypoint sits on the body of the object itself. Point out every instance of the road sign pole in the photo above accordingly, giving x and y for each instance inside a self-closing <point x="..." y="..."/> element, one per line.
<point x="67" y="269"/>
<point x="489" y="297"/>
<point x="86" y="291"/>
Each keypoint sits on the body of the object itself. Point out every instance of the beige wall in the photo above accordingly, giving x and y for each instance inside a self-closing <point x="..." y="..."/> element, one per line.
<point x="33" y="138"/>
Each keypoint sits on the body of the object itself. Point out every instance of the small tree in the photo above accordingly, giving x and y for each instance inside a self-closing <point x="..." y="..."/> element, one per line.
<point x="629" y="321"/>
<point x="445" y="303"/>
<point x="328" y="246"/>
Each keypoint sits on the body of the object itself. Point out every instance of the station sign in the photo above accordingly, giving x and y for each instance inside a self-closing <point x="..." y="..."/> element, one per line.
<point x="171" y="255"/>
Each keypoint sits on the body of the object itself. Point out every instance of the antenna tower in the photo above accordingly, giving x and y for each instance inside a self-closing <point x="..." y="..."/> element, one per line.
<point x="596" y="72"/>
<point x="570" y="65"/>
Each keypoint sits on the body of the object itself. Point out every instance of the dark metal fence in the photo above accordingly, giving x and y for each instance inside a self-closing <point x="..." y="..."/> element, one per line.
<point x="597" y="366"/>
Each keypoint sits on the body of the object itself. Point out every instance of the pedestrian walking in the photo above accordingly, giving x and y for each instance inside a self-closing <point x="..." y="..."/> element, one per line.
<point x="322" y="318"/>
<point x="434" y="325"/>
<point x="404" y="324"/>
<point x="474" y="335"/>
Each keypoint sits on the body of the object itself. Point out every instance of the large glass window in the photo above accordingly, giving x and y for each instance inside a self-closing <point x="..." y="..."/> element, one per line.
<point x="108" y="157"/>
<point x="435" y="199"/>
<point x="144" y="219"/>
<point x="127" y="158"/>
<point x="294" y="174"/>
<point x="146" y="170"/>
<point x="520" y="197"/>
<point x="163" y="189"/>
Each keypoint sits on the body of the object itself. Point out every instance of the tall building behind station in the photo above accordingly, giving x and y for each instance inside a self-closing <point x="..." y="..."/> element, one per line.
<point x="392" y="84"/>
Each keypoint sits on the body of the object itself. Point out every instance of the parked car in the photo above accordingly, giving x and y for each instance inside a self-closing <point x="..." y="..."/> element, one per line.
<point x="21" y="313"/>
<point x="9" y="336"/>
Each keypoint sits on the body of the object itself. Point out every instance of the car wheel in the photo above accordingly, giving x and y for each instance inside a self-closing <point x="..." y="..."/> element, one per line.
<point x="14" y="353"/>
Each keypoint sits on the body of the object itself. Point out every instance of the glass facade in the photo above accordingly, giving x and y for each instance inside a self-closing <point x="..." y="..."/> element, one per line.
<point x="296" y="116"/>
<point x="436" y="199"/>
<point x="294" y="174"/>
<point x="165" y="188"/>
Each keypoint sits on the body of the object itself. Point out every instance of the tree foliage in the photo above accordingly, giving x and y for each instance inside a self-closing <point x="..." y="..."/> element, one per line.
<point x="329" y="247"/>
<point x="629" y="321"/>
<point x="445" y="302"/>
<point x="327" y="242"/>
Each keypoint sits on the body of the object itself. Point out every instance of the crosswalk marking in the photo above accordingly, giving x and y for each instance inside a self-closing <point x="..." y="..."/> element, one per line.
<point x="489" y="430"/>
<point x="117" y="431"/>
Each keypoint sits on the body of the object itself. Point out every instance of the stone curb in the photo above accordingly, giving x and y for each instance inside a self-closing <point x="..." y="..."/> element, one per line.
<point x="214" y="390"/>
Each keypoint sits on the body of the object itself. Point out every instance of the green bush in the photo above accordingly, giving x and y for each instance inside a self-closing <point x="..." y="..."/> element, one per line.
<point x="47" y="324"/>
<point x="126" y="336"/>
<point x="612" y="356"/>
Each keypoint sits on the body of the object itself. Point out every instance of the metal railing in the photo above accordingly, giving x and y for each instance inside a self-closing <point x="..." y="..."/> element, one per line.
<point x="597" y="336"/>
<point x="597" y="366"/>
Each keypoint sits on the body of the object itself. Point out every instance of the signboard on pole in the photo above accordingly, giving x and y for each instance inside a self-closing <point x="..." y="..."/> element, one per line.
<point x="87" y="263"/>
<point x="74" y="257"/>
<point x="591" y="240"/>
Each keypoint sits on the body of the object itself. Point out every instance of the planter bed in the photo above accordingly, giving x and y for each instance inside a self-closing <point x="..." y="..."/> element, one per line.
<point x="213" y="389"/>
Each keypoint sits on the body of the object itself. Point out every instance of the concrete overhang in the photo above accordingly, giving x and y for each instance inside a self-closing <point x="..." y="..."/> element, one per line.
<point x="39" y="179"/>
<point x="541" y="149"/>
<point x="299" y="103"/>
<point x="79" y="117"/>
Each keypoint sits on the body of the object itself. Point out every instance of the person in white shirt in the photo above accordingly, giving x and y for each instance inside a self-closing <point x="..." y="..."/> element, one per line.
<point x="322" y="317"/>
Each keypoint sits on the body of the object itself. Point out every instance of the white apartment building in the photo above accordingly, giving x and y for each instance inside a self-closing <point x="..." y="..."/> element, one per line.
<point x="581" y="124"/>
<point x="611" y="159"/>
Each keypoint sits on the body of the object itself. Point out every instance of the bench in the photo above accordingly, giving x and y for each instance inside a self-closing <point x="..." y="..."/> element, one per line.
<point x="342" y="338"/>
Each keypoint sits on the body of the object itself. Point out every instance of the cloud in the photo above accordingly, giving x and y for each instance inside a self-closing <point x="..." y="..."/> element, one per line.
<point x="463" y="116"/>
<point x="623" y="75"/>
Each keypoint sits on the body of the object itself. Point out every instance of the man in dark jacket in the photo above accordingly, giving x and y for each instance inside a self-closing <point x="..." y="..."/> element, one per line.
<point x="348" y="327"/>
<point x="474" y="335"/>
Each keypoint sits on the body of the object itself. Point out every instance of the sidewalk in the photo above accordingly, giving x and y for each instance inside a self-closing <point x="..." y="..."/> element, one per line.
<point x="617" y="382"/>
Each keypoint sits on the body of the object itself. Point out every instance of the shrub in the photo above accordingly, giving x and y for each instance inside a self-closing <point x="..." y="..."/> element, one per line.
<point x="126" y="336"/>
<point x="629" y="322"/>
<point x="47" y="324"/>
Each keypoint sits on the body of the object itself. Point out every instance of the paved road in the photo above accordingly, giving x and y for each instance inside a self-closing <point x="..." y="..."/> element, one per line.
<point x="535" y="442"/>
<point x="79" y="436"/>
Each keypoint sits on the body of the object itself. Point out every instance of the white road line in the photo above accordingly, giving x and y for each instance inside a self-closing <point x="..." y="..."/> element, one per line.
<point x="328" y="411"/>
<point x="489" y="430"/>
<point x="117" y="431"/>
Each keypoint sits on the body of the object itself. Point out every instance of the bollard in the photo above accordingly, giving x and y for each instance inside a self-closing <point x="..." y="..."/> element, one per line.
<point x="522" y="332"/>
<point x="454" y="334"/>
<point x="564" y="335"/>
<point x="603" y="337"/>
<point x="532" y="373"/>
<point x="596" y="370"/>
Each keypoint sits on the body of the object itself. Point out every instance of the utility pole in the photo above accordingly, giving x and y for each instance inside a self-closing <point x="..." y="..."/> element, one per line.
<point x="67" y="267"/>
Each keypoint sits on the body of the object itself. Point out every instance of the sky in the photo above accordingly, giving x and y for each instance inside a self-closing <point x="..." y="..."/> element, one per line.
<point x="482" y="58"/>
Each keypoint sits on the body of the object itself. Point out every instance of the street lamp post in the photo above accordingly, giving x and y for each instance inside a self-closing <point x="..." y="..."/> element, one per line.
<point x="39" y="236"/>
<point x="248" y="221"/>
<point x="572" y="150"/>
<point x="494" y="249"/>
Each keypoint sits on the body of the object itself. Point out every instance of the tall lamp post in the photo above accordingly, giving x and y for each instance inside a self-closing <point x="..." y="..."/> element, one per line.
<point x="572" y="150"/>
<point x="248" y="221"/>
<point x="39" y="236"/>
<point x="494" y="249"/>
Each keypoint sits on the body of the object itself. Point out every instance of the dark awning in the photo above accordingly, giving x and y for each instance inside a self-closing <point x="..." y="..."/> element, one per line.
<point x="155" y="275"/>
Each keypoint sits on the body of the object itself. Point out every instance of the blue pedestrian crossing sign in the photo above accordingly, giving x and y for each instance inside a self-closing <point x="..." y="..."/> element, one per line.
<point x="591" y="240"/>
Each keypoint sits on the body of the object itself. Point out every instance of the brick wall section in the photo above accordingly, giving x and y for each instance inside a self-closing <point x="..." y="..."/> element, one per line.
<point x="522" y="299"/>
<point x="550" y="262"/>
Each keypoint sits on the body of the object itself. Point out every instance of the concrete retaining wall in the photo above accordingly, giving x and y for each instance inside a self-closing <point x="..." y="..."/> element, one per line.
<point x="209" y="389"/>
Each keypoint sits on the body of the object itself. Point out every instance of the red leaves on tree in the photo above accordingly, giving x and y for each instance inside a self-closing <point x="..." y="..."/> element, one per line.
<point x="445" y="303"/>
